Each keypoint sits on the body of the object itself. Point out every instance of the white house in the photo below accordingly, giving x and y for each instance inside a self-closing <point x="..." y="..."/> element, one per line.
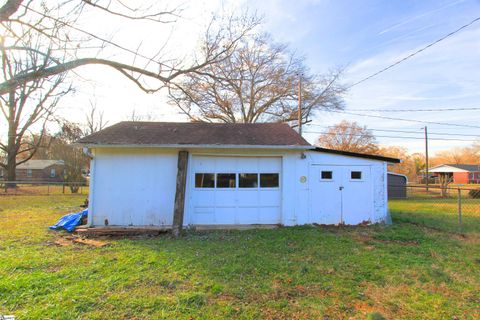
<point x="144" y="173"/>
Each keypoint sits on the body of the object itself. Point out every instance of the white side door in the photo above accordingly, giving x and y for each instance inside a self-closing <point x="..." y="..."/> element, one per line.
<point x="340" y="194"/>
<point x="357" y="194"/>
<point x="325" y="195"/>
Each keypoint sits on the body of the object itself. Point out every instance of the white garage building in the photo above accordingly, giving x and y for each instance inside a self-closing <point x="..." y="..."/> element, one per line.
<point x="144" y="173"/>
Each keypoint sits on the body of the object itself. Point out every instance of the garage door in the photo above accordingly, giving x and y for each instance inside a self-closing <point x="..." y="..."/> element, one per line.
<point x="235" y="190"/>
<point x="341" y="194"/>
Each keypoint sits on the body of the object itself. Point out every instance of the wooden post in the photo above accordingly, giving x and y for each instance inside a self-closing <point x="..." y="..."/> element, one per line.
<point x="426" y="157"/>
<point x="180" y="193"/>
<point x="460" y="210"/>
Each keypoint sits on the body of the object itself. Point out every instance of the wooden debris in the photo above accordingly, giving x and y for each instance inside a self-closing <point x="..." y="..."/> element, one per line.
<point x="63" y="242"/>
<point x="119" y="231"/>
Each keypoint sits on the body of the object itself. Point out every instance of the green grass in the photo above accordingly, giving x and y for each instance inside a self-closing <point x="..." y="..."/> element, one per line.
<point x="440" y="213"/>
<point x="404" y="271"/>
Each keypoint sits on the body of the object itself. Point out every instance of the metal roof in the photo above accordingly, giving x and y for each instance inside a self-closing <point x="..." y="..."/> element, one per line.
<point x="358" y="155"/>
<point x="455" y="168"/>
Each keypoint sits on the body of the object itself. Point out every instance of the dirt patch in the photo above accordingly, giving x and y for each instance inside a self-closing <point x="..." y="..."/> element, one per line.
<point x="90" y="242"/>
<point x="473" y="238"/>
<point x="68" y="241"/>
<point x="63" y="242"/>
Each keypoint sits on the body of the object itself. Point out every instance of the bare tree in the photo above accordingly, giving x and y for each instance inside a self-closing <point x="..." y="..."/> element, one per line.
<point x="73" y="157"/>
<point x="444" y="179"/>
<point x="94" y="119"/>
<point x="349" y="136"/>
<point x="55" y="26"/>
<point x="258" y="82"/>
<point x="136" y="116"/>
<point x="27" y="107"/>
<point x="456" y="155"/>
<point x="41" y="43"/>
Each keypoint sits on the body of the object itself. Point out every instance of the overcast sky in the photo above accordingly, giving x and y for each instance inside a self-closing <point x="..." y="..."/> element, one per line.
<point x="361" y="36"/>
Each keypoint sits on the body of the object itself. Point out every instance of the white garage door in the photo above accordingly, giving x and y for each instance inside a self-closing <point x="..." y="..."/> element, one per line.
<point x="235" y="190"/>
<point x="341" y="194"/>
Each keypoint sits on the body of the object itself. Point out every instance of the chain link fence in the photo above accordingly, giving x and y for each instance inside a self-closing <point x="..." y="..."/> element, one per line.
<point x="25" y="188"/>
<point x="446" y="208"/>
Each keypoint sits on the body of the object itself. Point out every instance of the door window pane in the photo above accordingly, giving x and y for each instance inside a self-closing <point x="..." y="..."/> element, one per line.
<point x="269" y="180"/>
<point x="356" y="175"/>
<point x="204" y="180"/>
<point x="226" y="180"/>
<point x="248" y="180"/>
<point x="327" y="175"/>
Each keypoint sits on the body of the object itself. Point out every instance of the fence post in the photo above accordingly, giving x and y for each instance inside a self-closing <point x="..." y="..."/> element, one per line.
<point x="460" y="210"/>
<point x="48" y="189"/>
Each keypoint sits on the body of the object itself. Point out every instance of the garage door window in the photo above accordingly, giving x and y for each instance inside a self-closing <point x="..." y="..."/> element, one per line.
<point x="226" y="180"/>
<point x="269" y="180"/>
<point x="326" y="175"/>
<point x="204" y="180"/>
<point x="356" y="175"/>
<point x="247" y="180"/>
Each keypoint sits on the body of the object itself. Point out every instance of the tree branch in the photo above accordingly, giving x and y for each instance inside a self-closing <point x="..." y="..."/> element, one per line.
<point x="9" y="8"/>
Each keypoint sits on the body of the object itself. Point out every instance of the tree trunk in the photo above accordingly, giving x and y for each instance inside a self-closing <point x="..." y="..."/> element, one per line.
<point x="178" y="210"/>
<point x="444" y="180"/>
<point x="74" y="188"/>
<point x="11" y="143"/>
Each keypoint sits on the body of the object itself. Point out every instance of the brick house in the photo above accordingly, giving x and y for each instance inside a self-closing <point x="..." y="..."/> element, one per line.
<point x="41" y="170"/>
<point x="459" y="173"/>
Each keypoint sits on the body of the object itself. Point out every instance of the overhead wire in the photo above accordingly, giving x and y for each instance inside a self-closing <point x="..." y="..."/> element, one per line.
<point x="417" y="110"/>
<point x="405" y="131"/>
<point x="403" y="119"/>
<point x="414" y="53"/>
<point x="394" y="137"/>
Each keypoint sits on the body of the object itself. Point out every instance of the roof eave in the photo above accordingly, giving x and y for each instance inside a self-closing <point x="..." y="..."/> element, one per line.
<point x="197" y="146"/>
<point x="358" y="155"/>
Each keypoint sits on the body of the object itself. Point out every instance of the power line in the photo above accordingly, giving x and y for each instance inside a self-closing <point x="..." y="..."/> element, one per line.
<point x="415" y="53"/>
<point x="406" y="131"/>
<point x="417" y="110"/>
<point x="401" y="119"/>
<point x="394" y="137"/>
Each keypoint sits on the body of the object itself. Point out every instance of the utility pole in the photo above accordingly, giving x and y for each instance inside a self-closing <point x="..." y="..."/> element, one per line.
<point x="426" y="156"/>
<point x="300" y="105"/>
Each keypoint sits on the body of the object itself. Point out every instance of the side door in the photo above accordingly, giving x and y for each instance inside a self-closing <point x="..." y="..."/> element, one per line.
<point x="357" y="192"/>
<point x="325" y="194"/>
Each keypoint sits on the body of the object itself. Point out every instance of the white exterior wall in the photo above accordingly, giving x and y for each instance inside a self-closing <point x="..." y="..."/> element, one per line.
<point x="136" y="186"/>
<point x="133" y="187"/>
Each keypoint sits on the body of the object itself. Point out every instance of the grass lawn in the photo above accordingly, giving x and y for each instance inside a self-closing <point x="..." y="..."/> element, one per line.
<point x="404" y="271"/>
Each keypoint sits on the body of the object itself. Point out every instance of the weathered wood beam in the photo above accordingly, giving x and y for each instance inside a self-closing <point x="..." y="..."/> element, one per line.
<point x="179" y="207"/>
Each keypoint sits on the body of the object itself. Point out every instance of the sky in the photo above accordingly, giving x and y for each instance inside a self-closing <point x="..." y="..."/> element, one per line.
<point x="362" y="37"/>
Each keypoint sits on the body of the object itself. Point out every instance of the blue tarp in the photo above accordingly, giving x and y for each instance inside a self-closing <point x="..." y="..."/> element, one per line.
<point x="69" y="221"/>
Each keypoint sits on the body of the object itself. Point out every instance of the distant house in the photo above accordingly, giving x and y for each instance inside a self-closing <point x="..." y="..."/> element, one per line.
<point x="459" y="173"/>
<point x="41" y="170"/>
